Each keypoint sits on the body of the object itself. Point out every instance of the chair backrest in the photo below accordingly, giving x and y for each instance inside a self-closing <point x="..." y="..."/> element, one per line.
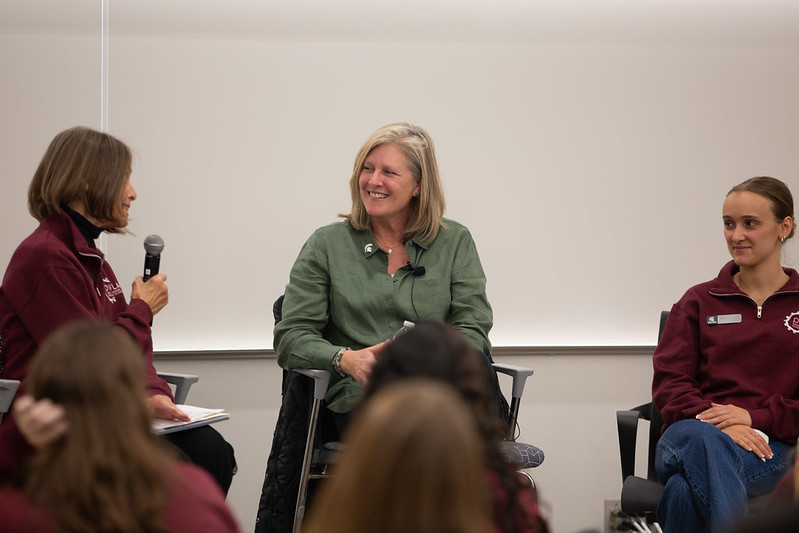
<point x="655" y="429"/>
<point x="655" y="420"/>
<point x="277" y="308"/>
<point x="664" y="315"/>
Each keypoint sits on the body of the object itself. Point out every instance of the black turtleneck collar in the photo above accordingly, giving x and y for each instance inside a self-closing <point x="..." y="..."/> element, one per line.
<point x="89" y="231"/>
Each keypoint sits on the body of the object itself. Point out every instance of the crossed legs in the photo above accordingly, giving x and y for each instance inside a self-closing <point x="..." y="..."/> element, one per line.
<point x="709" y="478"/>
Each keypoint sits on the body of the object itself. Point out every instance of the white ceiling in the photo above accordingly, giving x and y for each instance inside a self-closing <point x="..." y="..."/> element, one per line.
<point x="747" y="23"/>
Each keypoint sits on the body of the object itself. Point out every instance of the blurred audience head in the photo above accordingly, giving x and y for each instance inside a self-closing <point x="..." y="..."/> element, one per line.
<point x="413" y="462"/>
<point x="96" y="372"/>
<point x="438" y="351"/>
<point x="106" y="473"/>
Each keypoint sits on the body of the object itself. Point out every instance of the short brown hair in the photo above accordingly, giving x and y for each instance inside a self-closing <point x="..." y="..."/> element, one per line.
<point x="774" y="190"/>
<point x="81" y="164"/>
<point x="427" y="211"/>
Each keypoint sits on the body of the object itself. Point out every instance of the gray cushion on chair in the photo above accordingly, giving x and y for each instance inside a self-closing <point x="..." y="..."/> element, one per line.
<point x="522" y="455"/>
<point x="519" y="454"/>
<point x="330" y="452"/>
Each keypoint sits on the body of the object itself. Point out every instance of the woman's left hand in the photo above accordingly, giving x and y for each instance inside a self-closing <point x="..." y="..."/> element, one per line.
<point x="359" y="363"/>
<point x="748" y="439"/>
<point x="154" y="292"/>
<point x="724" y="416"/>
<point x="163" y="407"/>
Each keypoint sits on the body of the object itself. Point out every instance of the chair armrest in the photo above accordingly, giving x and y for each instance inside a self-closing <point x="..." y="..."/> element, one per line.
<point x="321" y="381"/>
<point x="8" y="388"/>
<point x="182" y="383"/>
<point x="627" y="423"/>
<point x="519" y="375"/>
<point x="639" y="495"/>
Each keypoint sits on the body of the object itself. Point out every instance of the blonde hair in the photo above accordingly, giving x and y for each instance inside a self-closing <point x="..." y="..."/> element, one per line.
<point x="413" y="462"/>
<point x="81" y="165"/>
<point x="107" y="473"/>
<point x="427" y="211"/>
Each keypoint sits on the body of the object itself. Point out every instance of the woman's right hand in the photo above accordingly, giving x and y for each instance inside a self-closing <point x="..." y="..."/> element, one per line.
<point x="41" y="422"/>
<point x="723" y="416"/>
<point x="359" y="363"/>
<point x="153" y="291"/>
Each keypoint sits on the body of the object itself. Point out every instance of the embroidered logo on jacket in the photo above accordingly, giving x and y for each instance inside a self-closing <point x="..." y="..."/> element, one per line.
<point x="112" y="290"/>
<point x="792" y="322"/>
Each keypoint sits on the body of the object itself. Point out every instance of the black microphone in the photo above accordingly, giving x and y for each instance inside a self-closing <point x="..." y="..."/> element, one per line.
<point x="416" y="271"/>
<point x="153" y="245"/>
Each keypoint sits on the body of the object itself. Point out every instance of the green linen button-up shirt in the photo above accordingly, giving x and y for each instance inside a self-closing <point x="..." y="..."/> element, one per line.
<point x="341" y="295"/>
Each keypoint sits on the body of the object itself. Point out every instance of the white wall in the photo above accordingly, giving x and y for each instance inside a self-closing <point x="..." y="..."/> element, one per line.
<point x="584" y="173"/>
<point x="591" y="176"/>
<point x="48" y="82"/>
<point x="568" y="411"/>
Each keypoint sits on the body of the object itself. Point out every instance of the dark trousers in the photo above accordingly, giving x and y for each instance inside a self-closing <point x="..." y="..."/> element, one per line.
<point x="206" y="448"/>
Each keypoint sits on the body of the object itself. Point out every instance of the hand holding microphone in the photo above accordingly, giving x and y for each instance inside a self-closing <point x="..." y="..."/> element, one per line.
<point x="151" y="286"/>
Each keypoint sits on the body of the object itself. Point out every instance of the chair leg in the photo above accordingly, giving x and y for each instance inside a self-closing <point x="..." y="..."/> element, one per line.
<point x="514" y="417"/>
<point x="528" y="476"/>
<point x="302" y="493"/>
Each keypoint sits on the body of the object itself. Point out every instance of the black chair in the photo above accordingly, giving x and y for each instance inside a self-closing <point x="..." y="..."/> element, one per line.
<point x="640" y="496"/>
<point x="318" y="451"/>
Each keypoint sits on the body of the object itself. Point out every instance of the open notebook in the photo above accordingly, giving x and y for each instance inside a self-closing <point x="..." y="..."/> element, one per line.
<point x="200" y="416"/>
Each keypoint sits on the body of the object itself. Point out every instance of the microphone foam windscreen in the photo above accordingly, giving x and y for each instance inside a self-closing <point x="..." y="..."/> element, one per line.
<point x="153" y="244"/>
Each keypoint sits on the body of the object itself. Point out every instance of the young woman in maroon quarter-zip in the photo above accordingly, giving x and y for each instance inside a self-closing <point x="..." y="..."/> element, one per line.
<point x="726" y="371"/>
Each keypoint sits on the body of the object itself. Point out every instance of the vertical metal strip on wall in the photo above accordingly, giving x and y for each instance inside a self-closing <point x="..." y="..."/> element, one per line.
<point x="104" y="88"/>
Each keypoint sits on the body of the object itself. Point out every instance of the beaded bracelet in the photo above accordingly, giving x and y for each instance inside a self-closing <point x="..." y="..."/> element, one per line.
<point x="337" y="362"/>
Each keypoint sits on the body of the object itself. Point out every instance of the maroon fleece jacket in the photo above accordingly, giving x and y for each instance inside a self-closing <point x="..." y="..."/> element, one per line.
<point x="720" y="346"/>
<point x="55" y="277"/>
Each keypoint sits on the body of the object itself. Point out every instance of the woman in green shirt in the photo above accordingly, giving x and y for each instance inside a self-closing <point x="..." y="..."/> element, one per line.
<point x="394" y="258"/>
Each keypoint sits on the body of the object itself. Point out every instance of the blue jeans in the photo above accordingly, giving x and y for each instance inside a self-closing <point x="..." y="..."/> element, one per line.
<point x="709" y="478"/>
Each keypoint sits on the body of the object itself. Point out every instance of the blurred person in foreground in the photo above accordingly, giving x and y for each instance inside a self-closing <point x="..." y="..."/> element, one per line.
<point x="437" y="351"/>
<point x="106" y="471"/>
<point x="412" y="462"/>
